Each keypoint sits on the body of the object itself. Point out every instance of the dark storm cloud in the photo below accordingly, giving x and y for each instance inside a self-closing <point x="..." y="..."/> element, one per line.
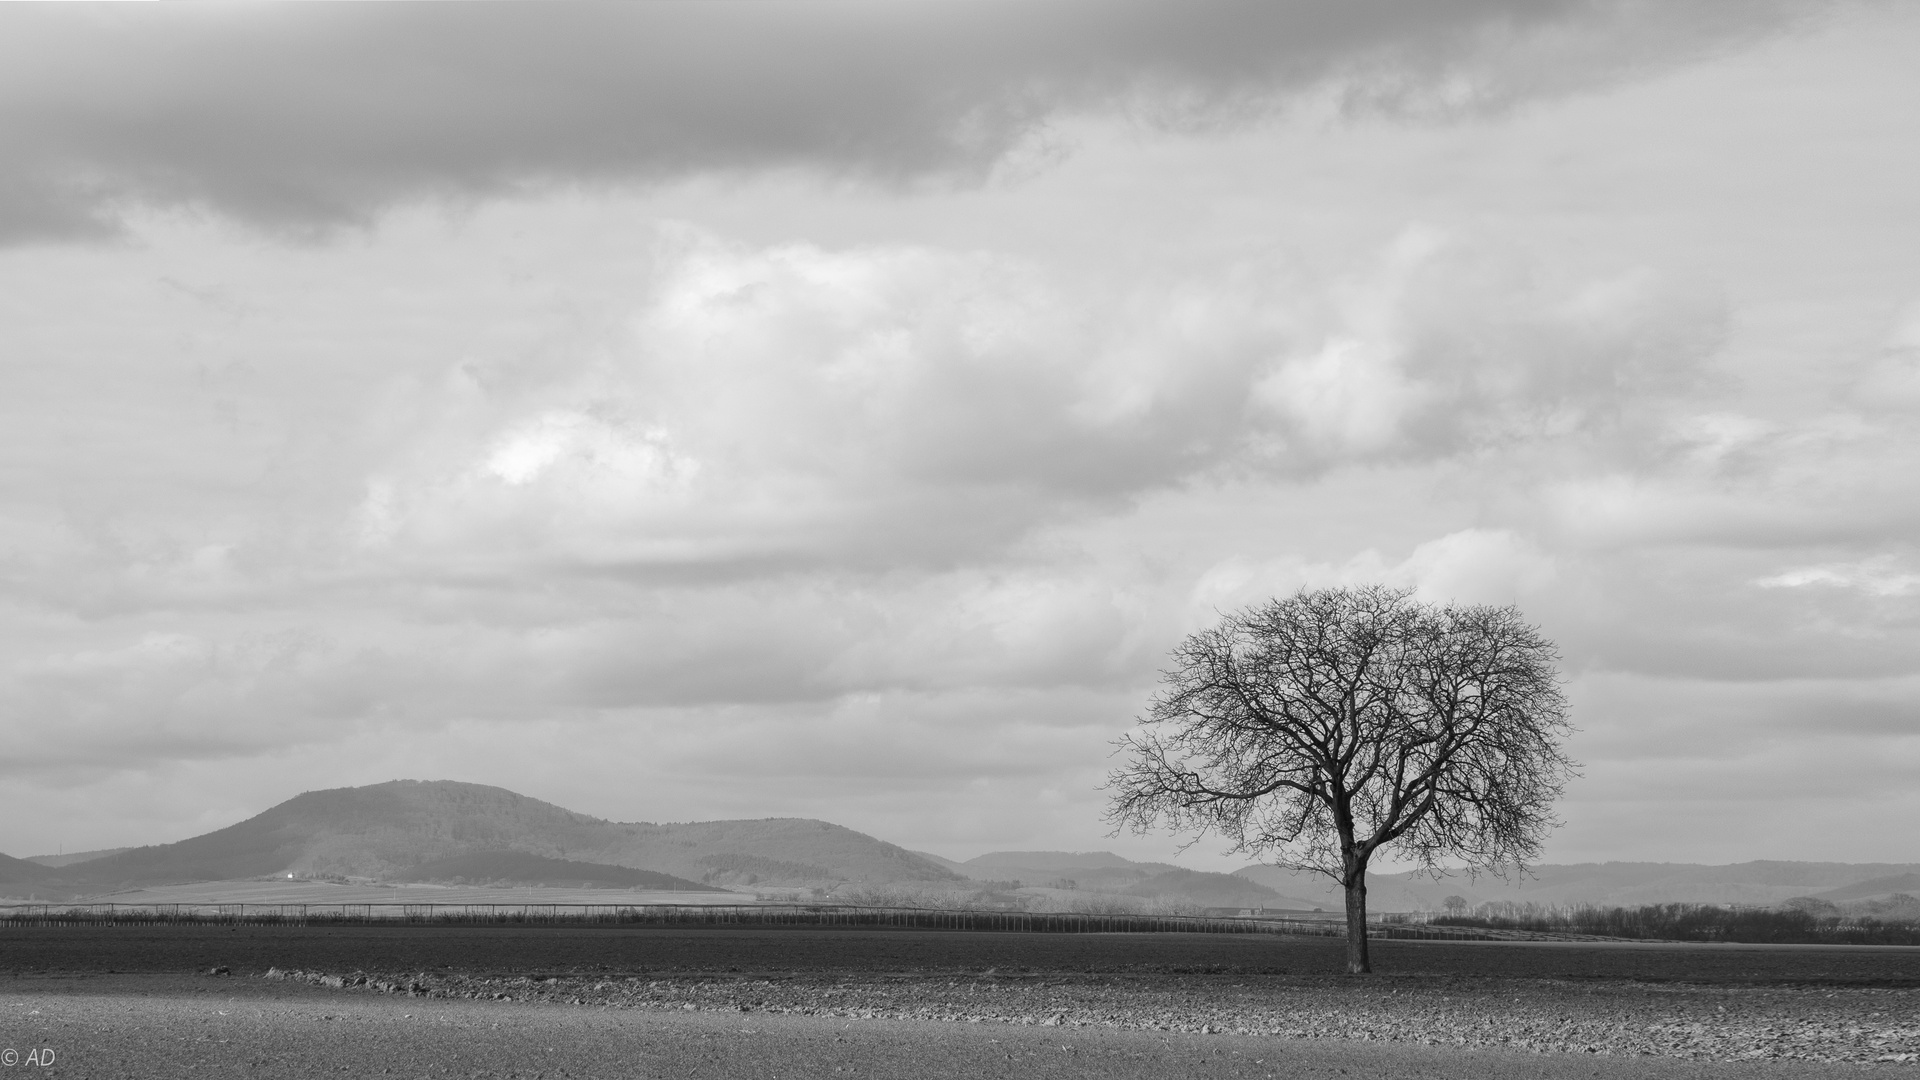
<point x="308" y="116"/>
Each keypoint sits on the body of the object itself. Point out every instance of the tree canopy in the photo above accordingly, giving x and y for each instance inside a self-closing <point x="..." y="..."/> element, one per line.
<point x="1316" y="730"/>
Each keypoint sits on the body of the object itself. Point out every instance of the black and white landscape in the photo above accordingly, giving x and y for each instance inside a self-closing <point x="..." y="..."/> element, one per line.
<point x="448" y="833"/>
<point x="927" y="456"/>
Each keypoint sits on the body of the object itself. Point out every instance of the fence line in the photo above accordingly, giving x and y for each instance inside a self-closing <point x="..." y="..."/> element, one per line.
<point x="679" y="915"/>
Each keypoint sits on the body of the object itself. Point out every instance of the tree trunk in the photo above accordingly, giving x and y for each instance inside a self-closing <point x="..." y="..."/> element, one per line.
<point x="1358" y="962"/>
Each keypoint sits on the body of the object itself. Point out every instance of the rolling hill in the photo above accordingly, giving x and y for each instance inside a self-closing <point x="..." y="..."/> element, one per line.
<point x="520" y="868"/>
<point x="772" y="851"/>
<point x="1625" y="884"/>
<point x="1055" y="862"/>
<point x="71" y="857"/>
<point x="351" y="832"/>
<point x="1103" y="871"/>
<point x="1206" y="889"/>
<point x="1099" y="871"/>
<point x="1604" y="884"/>
<point x="1879" y="888"/>
<point x="445" y="831"/>
<point x="387" y="831"/>
<point x="21" y="872"/>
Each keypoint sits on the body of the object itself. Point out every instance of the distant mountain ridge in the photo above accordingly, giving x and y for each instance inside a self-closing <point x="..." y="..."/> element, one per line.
<point x="1621" y="884"/>
<point x="1875" y="888"/>
<point x="1055" y="861"/>
<point x="1760" y="883"/>
<point x="68" y="858"/>
<point x="520" y="868"/>
<point x="442" y="831"/>
<point x="386" y="831"/>
<point x="1103" y="871"/>
<point x="22" y="872"/>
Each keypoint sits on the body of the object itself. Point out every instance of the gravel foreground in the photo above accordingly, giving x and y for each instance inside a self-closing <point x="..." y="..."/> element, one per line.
<point x="159" y="1027"/>
<point x="1856" y="1025"/>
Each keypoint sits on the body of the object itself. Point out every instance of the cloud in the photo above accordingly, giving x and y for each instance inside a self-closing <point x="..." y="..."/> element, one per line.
<point x="769" y="495"/>
<point x="1740" y="770"/>
<point x="1890" y="382"/>
<point x="1445" y="346"/>
<point x="176" y="695"/>
<point x="1822" y="478"/>
<point x="1476" y="566"/>
<point x="1875" y="577"/>
<point x="880" y="492"/>
<point x="774" y="407"/>
<point x="1471" y="566"/>
<point x="309" y="117"/>
<point x="792" y="403"/>
<point x="728" y="479"/>
<point x="1826" y="465"/>
<point x="345" y="656"/>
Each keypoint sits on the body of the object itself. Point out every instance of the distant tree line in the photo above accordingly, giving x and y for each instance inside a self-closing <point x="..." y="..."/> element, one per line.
<point x="1690" y="922"/>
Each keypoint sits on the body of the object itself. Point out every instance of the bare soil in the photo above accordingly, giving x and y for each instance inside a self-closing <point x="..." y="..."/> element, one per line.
<point x="515" y="950"/>
<point x="824" y="1000"/>
<point x="159" y="1027"/>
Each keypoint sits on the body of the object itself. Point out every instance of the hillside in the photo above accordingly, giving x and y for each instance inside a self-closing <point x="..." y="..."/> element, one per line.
<point x="1097" y="871"/>
<point x="21" y="872"/>
<point x="520" y="868"/>
<point x="1206" y="889"/>
<point x="771" y="851"/>
<point x="444" y="831"/>
<point x="353" y="832"/>
<point x="71" y="857"/>
<point x="386" y="831"/>
<point x="1054" y="862"/>
<point x="1102" y="871"/>
<point x="1606" y="884"/>
<point x="1310" y="891"/>
<point x="956" y="868"/>
<point x="1879" y="888"/>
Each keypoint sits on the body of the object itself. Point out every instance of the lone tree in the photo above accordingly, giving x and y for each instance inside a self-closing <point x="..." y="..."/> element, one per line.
<point x="1317" y="730"/>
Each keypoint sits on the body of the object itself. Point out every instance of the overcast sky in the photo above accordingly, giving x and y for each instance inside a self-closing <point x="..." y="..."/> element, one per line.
<point x="839" y="409"/>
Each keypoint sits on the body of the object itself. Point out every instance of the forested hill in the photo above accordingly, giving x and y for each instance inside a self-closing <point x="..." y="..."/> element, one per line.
<point x="21" y="872"/>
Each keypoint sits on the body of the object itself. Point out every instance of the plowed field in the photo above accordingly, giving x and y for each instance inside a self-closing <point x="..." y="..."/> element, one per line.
<point x="618" y="1001"/>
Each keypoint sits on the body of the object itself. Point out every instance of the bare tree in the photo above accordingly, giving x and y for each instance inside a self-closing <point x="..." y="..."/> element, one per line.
<point x="1317" y="730"/>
